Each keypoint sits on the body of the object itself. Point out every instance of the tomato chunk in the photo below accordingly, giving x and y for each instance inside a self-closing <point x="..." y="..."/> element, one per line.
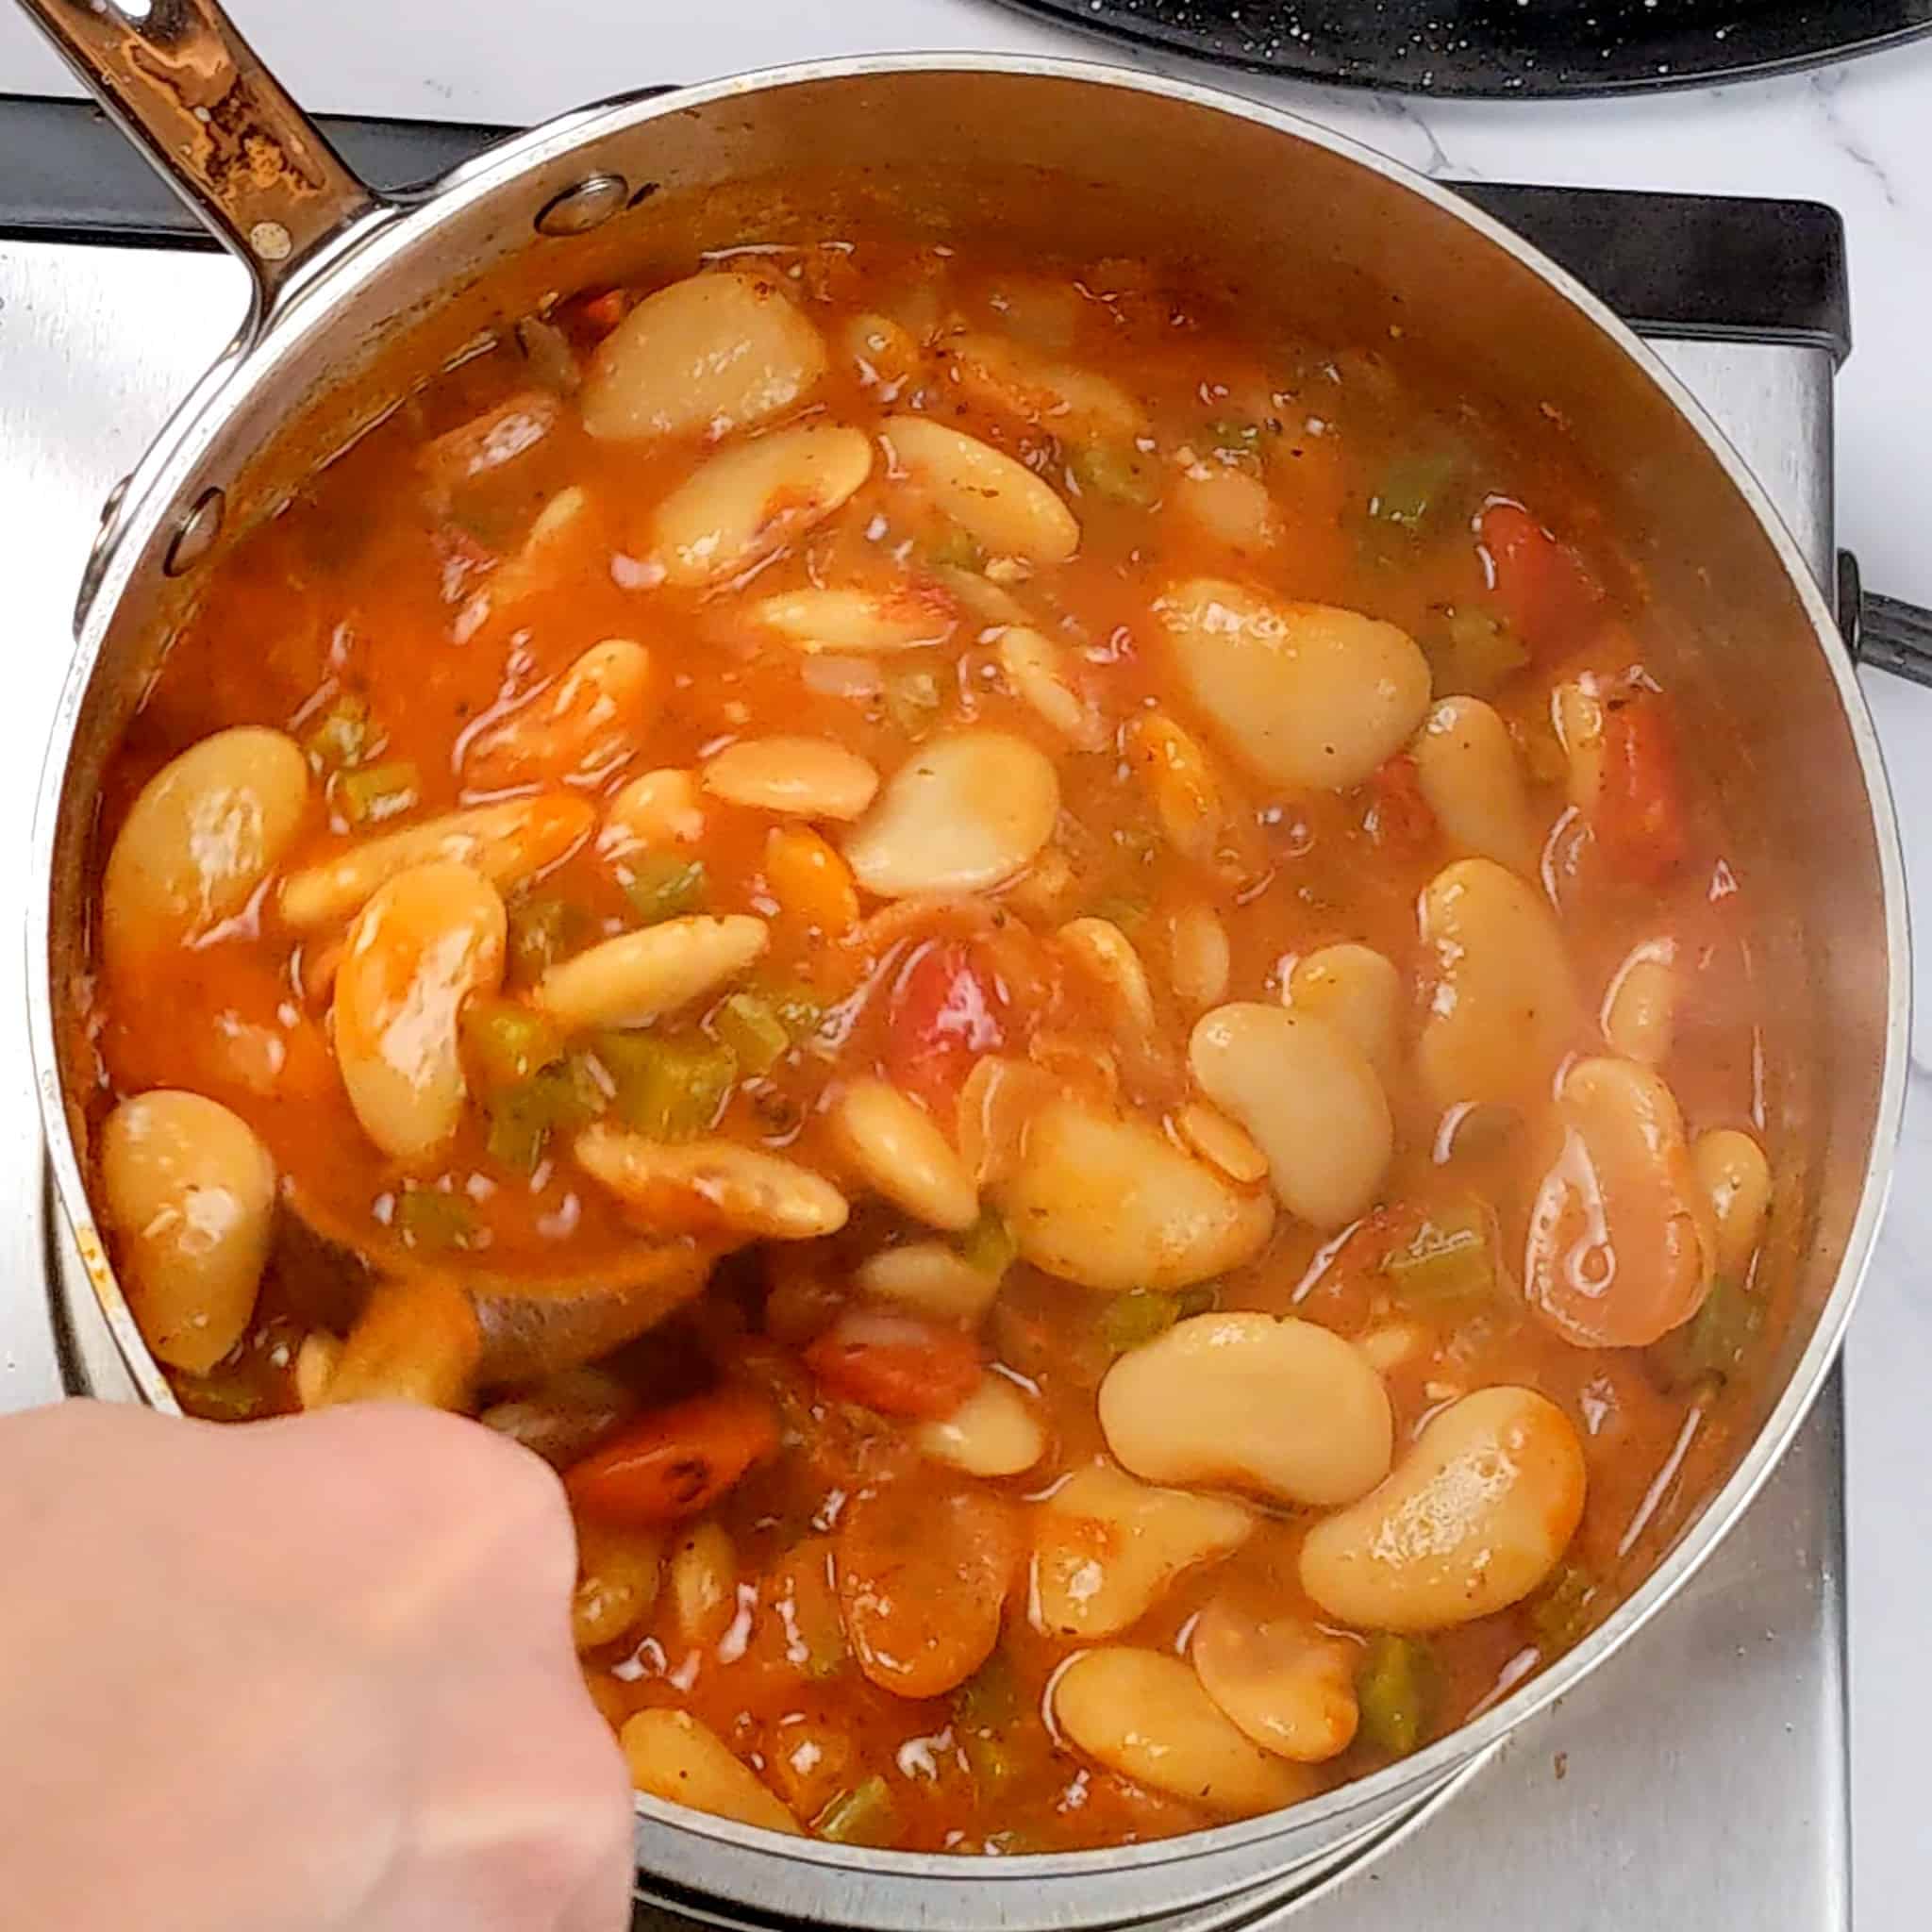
<point x="895" y="1364"/>
<point x="947" y="1010"/>
<point x="1542" y="588"/>
<point x="1399" y="818"/>
<point x="1639" y="818"/>
<point x="676" y="1461"/>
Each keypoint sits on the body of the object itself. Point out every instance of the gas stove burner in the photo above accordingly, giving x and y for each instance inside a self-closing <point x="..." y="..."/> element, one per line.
<point x="1652" y="1785"/>
<point x="1504" y="49"/>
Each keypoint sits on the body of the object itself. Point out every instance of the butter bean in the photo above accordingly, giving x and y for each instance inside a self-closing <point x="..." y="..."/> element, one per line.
<point x="1145" y="1715"/>
<point x="1280" y="1409"/>
<point x="1473" y="1518"/>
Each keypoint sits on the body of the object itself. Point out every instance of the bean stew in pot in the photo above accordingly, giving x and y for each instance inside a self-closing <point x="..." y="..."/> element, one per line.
<point x="1036" y="979"/>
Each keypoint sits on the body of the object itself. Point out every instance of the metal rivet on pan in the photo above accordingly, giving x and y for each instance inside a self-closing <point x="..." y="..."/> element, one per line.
<point x="197" y="534"/>
<point x="587" y="206"/>
<point x="271" y="241"/>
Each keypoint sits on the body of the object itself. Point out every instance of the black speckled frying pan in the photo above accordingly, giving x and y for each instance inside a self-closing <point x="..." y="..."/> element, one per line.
<point x="1505" y="48"/>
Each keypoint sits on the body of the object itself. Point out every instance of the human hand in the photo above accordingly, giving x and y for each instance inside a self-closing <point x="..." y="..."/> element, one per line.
<point x="294" y="1676"/>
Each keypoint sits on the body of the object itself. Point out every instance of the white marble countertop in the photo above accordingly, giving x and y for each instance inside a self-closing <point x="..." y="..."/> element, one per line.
<point x="1858" y="136"/>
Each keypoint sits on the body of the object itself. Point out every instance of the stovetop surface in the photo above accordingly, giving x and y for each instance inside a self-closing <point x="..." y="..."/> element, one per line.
<point x="1698" y="1779"/>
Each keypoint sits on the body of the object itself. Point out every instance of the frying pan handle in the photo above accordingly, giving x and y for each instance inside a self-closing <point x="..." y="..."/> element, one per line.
<point x="1882" y="631"/>
<point x="185" y="85"/>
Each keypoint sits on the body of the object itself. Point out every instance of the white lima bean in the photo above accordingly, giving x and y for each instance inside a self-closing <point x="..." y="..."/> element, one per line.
<point x="1108" y="956"/>
<point x="1041" y="675"/>
<point x="1308" y="695"/>
<point x="1286" y="1685"/>
<point x="1736" y="1177"/>
<point x="619" y="1574"/>
<point x="639" y="977"/>
<point x="1502" y="1008"/>
<point x="1640" y="1003"/>
<point x="1198" y="817"/>
<point x="506" y="843"/>
<point x="710" y="354"/>
<point x="802" y="777"/>
<point x="964" y="813"/>
<point x="928" y="1279"/>
<point x="906" y="618"/>
<point x="996" y="1107"/>
<point x="1466" y="767"/>
<point x="750" y="500"/>
<point x="1074" y="402"/>
<point x="1358" y="992"/>
<point x="1622" y="1237"/>
<point x="1208" y="1132"/>
<point x="899" y="1150"/>
<point x="1473" y="1518"/>
<point x="1112" y="1204"/>
<point x="1576" y="711"/>
<point x="999" y="502"/>
<point x="424" y="943"/>
<point x="675" y="1757"/>
<point x="994" y="1432"/>
<point x="702" y="1581"/>
<point x="1307" y="1095"/>
<point x="1229" y="504"/>
<point x="1145" y="1715"/>
<point x="1282" y="1409"/>
<point x="654" y="811"/>
<point x="583" y="728"/>
<point x="189" y="1193"/>
<point x="205" y="832"/>
<point x="1106" y="1549"/>
<point x="1200" y="961"/>
<point x="711" y="1185"/>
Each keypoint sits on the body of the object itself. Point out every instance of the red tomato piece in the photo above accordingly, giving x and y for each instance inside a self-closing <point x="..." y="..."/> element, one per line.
<point x="674" y="1462"/>
<point x="1639" y="818"/>
<point x="895" y="1364"/>
<point x="1543" y="590"/>
<point x="947" y="1010"/>
<point x="1400" y="820"/>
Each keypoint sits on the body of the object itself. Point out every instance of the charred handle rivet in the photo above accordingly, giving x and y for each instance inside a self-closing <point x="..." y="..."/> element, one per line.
<point x="197" y="534"/>
<point x="587" y="206"/>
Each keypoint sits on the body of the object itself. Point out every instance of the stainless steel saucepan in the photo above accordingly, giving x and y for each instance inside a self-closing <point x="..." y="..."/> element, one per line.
<point x="357" y="295"/>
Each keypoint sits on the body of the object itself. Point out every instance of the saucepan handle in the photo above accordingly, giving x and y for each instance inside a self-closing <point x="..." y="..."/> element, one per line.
<point x="1883" y="632"/>
<point x="184" y="84"/>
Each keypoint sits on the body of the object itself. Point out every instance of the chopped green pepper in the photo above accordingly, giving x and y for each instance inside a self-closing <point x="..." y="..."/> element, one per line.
<point x="1470" y="652"/>
<point x="1451" y="1258"/>
<point x="1132" y="1320"/>
<point x="1715" y="1340"/>
<point x="666" y="1089"/>
<point x="989" y="1696"/>
<point x="660" y="886"/>
<point x="429" y="1218"/>
<point x="339" y="737"/>
<point x="750" y="1026"/>
<point x="541" y="932"/>
<point x="1559" y="1612"/>
<point x="1414" y="487"/>
<point x="1396" y="1687"/>
<point x="912" y="700"/>
<point x="506" y="1041"/>
<point x="989" y="1244"/>
<point x="956" y="550"/>
<point x="1201" y="1299"/>
<point x="801" y="1014"/>
<point x="865" y="1815"/>
<point x="556" y="1099"/>
<point x="1118" y="472"/>
<point x="371" y="793"/>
